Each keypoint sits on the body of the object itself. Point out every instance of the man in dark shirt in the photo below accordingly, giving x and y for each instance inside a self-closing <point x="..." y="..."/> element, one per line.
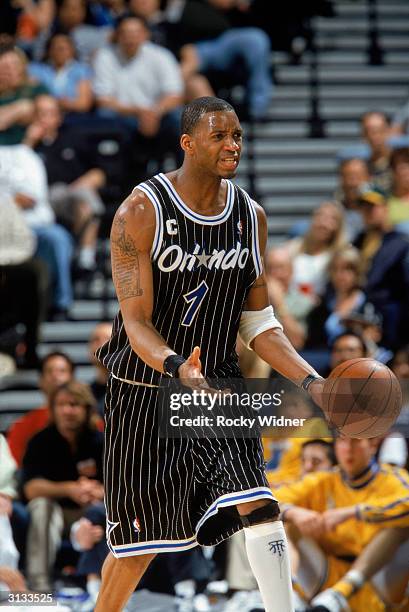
<point x="385" y="260"/>
<point x="62" y="474"/>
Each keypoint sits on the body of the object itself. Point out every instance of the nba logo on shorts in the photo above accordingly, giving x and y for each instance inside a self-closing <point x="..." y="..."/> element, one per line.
<point x="136" y="525"/>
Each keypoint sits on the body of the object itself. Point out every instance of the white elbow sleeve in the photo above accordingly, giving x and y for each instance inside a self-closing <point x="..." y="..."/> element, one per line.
<point x="255" y="322"/>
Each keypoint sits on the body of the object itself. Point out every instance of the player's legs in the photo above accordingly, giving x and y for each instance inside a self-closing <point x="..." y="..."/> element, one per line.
<point x="267" y="552"/>
<point x="119" y="579"/>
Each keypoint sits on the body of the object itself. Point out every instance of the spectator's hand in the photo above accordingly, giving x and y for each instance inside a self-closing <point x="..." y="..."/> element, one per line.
<point x="13" y="579"/>
<point x="6" y="507"/>
<point x="336" y="516"/>
<point x="92" y="488"/>
<point x="34" y="133"/>
<point x="78" y="494"/>
<point x="87" y="534"/>
<point x="23" y="201"/>
<point x="149" y="122"/>
<point x="307" y="521"/>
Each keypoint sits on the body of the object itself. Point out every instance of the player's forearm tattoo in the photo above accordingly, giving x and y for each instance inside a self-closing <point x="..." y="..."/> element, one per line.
<point x="125" y="262"/>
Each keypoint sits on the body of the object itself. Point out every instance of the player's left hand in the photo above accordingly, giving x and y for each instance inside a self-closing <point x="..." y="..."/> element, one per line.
<point x="316" y="390"/>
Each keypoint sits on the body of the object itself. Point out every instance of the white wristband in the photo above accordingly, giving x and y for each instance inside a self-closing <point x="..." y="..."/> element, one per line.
<point x="255" y="322"/>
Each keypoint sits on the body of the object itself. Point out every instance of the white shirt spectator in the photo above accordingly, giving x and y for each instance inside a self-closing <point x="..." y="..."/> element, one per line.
<point x="22" y="171"/>
<point x="141" y="81"/>
<point x="8" y="469"/>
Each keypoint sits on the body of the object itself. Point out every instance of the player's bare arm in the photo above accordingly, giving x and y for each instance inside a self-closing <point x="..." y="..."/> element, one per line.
<point x="132" y="235"/>
<point x="273" y="345"/>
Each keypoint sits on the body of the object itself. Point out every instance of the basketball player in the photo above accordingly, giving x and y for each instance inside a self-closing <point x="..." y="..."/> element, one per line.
<point x="337" y="514"/>
<point x="187" y="267"/>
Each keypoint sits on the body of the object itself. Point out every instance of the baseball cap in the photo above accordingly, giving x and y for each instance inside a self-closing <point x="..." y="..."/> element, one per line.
<point x="369" y="193"/>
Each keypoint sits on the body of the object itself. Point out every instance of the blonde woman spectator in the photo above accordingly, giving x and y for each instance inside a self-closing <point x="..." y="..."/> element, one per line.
<point x="312" y="252"/>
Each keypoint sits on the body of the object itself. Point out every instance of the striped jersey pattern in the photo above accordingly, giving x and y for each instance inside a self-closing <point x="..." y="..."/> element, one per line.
<point x="203" y="268"/>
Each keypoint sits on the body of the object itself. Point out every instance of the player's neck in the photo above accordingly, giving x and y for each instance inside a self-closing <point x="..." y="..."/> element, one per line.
<point x="201" y="192"/>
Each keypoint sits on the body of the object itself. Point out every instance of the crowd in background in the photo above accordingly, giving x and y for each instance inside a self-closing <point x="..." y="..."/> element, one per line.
<point x="90" y="101"/>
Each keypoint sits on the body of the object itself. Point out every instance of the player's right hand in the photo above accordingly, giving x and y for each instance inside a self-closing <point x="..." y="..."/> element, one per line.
<point x="190" y="372"/>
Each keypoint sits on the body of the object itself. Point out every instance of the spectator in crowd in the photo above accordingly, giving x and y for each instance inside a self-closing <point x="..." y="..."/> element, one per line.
<point x="334" y="515"/>
<point x="59" y="490"/>
<point x="348" y="345"/>
<point x="368" y="323"/>
<point x="291" y="305"/>
<point x="33" y="22"/>
<point x="155" y="18"/>
<point x="398" y="202"/>
<point x="88" y="38"/>
<point x="210" y="43"/>
<point x="316" y="454"/>
<point x="352" y="174"/>
<point x="17" y="95"/>
<point x="23" y="281"/>
<point x="106" y="12"/>
<point x="56" y="369"/>
<point x="64" y="77"/>
<point x="312" y="252"/>
<point x="10" y="577"/>
<point x="375" y="127"/>
<point x="73" y="186"/>
<point x="385" y="260"/>
<point x="140" y="83"/>
<point x="343" y="295"/>
<point x="23" y="176"/>
<point x="99" y="335"/>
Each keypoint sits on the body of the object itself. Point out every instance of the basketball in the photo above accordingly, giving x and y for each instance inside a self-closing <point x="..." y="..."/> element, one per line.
<point x="362" y="398"/>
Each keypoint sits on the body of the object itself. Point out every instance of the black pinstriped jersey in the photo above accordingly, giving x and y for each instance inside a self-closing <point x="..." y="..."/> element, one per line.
<point x="203" y="268"/>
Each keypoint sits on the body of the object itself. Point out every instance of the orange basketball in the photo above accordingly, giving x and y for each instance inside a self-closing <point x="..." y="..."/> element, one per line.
<point x="362" y="398"/>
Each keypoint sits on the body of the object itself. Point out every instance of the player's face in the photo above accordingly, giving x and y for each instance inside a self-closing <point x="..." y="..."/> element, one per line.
<point x="353" y="455"/>
<point x="69" y="414"/>
<point x="314" y="458"/>
<point x="57" y="371"/>
<point x="216" y="143"/>
<point x="347" y="347"/>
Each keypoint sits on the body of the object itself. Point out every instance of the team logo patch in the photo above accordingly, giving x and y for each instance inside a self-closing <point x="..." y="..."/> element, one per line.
<point x="136" y="525"/>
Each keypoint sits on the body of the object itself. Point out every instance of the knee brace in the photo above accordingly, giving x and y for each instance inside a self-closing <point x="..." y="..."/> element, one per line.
<point x="268" y="512"/>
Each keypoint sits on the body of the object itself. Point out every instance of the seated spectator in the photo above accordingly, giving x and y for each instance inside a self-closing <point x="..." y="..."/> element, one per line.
<point x="291" y="305"/>
<point x="368" y="323"/>
<point x="375" y="127"/>
<point x="312" y="253"/>
<point x="211" y="44"/>
<point x="56" y="369"/>
<point x="317" y="455"/>
<point x="343" y="295"/>
<point x="66" y="79"/>
<point x="59" y="490"/>
<point x="72" y="20"/>
<point x="73" y="186"/>
<point x="385" y="262"/>
<point x="155" y="18"/>
<point x="352" y="174"/>
<point x="398" y="202"/>
<point x="33" y="22"/>
<point x="99" y="335"/>
<point x="17" y="95"/>
<point x="23" y="283"/>
<point x="140" y="83"/>
<point x="23" y="176"/>
<point x="333" y="516"/>
<point x="348" y="345"/>
<point x="10" y="577"/>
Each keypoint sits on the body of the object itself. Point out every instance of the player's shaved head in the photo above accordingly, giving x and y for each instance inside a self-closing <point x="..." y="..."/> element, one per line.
<point x="195" y="110"/>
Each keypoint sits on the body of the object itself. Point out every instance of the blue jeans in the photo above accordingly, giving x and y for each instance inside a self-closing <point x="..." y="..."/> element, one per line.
<point x="251" y="45"/>
<point x="55" y="246"/>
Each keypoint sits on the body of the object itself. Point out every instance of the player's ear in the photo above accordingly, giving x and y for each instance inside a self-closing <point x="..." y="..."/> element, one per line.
<point x="186" y="143"/>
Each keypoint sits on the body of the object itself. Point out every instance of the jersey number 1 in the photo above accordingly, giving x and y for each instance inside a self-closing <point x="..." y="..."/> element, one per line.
<point x="194" y="298"/>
